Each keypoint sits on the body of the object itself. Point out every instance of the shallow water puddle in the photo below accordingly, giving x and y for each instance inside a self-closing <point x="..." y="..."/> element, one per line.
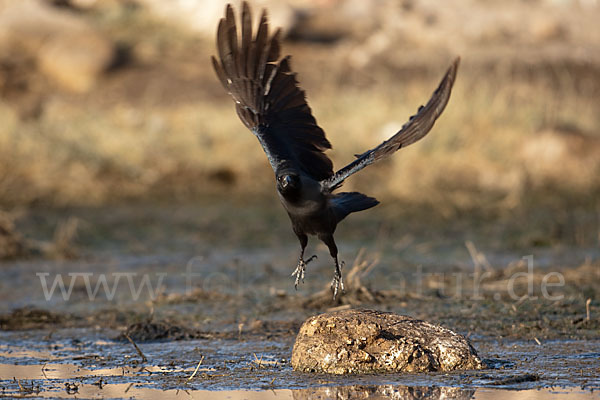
<point x="64" y="371"/>
<point x="87" y="364"/>
<point x="535" y="394"/>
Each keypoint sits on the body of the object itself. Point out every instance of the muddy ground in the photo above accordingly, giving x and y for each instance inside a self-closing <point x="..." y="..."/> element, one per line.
<point x="223" y="295"/>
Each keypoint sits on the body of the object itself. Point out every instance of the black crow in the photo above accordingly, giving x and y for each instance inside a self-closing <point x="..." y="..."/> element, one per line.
<point x="270" y="103"/>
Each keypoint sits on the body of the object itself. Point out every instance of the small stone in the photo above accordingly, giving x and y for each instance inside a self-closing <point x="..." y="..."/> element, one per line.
<point x="367" y="341"/>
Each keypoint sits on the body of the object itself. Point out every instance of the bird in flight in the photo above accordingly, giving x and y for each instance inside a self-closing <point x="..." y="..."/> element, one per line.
<point x="271" y="104"/>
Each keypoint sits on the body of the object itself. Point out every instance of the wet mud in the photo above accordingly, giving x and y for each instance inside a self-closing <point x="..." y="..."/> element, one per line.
<point x="167" y="310"/>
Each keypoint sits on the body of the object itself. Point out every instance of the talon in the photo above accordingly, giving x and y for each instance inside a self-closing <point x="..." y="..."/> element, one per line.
<point x="300" y="270"/>
<point x="337" y="283"/>
<point x="299" y="274"/>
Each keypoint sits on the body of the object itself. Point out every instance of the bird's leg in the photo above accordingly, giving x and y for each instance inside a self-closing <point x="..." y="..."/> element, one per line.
<point x="337" y="283"/>
<point x="301" y="267"/>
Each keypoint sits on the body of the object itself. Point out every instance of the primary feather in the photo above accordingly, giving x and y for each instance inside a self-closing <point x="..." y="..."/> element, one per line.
<point x="267" y="96"/>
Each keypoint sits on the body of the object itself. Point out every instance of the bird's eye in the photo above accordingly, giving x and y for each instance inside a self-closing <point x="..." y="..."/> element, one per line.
<point x="286" y="180"/>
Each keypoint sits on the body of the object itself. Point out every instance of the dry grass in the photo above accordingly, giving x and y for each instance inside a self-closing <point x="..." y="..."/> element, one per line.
<point x="502" y="137"/>
<point x="14" y="245"/>
<point x="488" y="146"/>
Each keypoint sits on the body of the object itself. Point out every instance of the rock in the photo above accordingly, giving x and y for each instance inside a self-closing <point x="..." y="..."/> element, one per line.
<point x="65" y="47"/>
<point x="546" y="28"/>
<point x="202" y="16"/>
<point x="12" y="244"/>
<point x="150" y="331"/>
<point x="28" y="318"/>
<point x="75" y="62"/>
<point x="559" y="151"/>
<point x="367" y="341"/>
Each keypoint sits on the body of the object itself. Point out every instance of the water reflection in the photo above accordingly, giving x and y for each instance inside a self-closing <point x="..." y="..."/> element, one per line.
<point x="55" y="389"/>
<point x="384" y="392"/>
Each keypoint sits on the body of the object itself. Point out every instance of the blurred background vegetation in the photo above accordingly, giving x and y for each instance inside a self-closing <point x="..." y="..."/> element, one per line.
<point x="112" y="102"/>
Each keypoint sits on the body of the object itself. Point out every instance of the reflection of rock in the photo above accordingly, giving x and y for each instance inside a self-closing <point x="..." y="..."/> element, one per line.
<point x="384" y="391"/>
<point x="355" y="341"/>
<point x="64" y="47"/>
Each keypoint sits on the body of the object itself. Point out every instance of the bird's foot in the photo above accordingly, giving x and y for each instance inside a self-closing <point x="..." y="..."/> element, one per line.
<point x="337" y="283"/>
<point x="300" y="269"/>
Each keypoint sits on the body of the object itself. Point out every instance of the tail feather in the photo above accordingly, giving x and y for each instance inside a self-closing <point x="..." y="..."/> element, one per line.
<point x="348" y="202"/>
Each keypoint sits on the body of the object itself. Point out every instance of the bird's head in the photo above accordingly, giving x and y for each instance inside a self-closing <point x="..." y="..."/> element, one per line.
<point x="288" y="183"/>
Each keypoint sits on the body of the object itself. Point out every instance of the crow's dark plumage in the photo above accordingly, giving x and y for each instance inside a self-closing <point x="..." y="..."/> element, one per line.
<point x="270" y="103"/>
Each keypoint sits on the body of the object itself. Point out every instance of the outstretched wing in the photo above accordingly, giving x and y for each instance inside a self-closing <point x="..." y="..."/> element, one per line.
<point x="267" y="97"/>
<point x="417" y="127"/>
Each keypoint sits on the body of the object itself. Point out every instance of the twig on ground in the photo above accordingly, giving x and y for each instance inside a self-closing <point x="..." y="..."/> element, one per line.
<point x="144" y="359"/>
<point x="196" y="370"/>
<point x="479" y="259"/>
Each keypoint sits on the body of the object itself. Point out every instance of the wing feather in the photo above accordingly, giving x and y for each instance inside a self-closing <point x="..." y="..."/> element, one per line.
<point x="220" y="72"/>
<point x="268" y="98"/>
<point x="231" y="38"/>
<point x="246" y="52"/>
<point x="259" y="44"/>
<point x="416" y="128"/>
